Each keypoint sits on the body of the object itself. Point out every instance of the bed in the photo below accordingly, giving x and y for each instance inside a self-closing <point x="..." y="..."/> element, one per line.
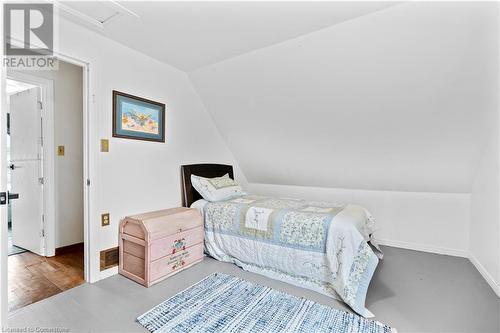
<point x="312" y="244"/>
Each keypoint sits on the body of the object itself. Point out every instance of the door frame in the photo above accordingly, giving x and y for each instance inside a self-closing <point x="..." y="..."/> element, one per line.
<point x="90" y="232"/>
<point x="48" y="157"/>
<point x="4" y="303"/>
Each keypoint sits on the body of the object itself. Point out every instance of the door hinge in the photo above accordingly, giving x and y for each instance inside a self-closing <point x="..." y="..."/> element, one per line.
<point x="42" y="231"/>
<point x="40" y="105"/>
<point x="41" y="131"/>
<point x="88" y="182"/>
<point x="40" y="180"/>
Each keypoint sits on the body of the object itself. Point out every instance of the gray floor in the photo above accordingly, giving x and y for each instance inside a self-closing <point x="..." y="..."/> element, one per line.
<point x="411" y="291"/>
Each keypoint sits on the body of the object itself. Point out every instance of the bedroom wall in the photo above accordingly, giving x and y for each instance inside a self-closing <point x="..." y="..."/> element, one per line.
<point x="389" y="110"/>
<point x="485" y="218"/>
<point x="485" y="222"/>
<point x="394" y="100"/>
<point x="137" y="176"/>
<point x="432" y="222"/>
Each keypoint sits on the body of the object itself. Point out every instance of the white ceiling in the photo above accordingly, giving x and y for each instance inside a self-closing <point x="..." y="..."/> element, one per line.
<point x="190" y="35"/>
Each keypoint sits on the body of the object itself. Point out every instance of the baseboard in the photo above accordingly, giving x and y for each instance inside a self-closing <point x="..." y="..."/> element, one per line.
<point x="69" y="248"/>
<point x="486" y="275"/>
<point x="108" y="272"/>
<point x="424" y="248"/>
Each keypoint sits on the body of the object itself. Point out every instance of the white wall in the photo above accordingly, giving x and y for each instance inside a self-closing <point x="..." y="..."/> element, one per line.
<point x="137" y="176"/>
<point x="394" y="100"/>
<point x="433" y="222"/>
<point x="68" y="118"/>
<point x="485" y="218"/>
<point x="395" y="107"/>
<point x="68" y="132"/>
<point x="485" y="222"/>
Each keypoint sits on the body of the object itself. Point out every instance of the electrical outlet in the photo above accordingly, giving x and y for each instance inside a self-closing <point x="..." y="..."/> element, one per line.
<point x="104" y="219"/>
<point x="60" y="150"/>
<point x="104" y="145"/>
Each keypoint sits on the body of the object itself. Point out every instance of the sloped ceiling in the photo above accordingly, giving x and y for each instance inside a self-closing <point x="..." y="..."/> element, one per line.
<point x="394" y="100"/>
<point x="190" y="35"/>
<point x="366" y="95"/>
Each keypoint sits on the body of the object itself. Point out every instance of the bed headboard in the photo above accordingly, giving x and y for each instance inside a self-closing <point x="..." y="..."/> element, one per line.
<point x="189" y="194"/>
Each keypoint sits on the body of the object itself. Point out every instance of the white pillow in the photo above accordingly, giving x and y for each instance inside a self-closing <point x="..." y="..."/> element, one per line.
<point x="216" y="189"/>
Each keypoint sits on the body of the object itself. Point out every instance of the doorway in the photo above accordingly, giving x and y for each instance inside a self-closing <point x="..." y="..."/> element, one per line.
<point x="45" y="142"/>
<point x="25" y="171"/>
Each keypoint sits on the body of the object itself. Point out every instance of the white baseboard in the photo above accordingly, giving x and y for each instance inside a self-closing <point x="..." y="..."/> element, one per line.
<point x="486" y="275"/>
<point x="108" y="272"/>
<point x="424" y="248"/>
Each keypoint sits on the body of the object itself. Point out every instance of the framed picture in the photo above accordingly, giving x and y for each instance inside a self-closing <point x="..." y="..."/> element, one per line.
<point x="138" y="118"/>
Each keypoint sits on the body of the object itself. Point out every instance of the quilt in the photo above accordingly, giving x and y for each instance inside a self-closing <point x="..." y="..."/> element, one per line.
<point x="317" y="245"/>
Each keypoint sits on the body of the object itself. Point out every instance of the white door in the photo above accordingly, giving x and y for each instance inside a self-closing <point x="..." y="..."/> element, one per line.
<point x="25" y="165"/>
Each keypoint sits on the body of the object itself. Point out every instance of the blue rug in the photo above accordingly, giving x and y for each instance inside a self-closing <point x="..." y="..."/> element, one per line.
<point x="223" y="303"/>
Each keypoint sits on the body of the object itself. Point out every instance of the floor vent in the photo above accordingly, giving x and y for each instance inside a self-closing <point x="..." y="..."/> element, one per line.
<point x="109" y="258"/>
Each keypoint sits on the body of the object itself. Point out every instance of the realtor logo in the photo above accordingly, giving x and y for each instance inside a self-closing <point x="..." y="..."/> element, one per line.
<point x="29" y="29"/>
<point x="29" y="36"/>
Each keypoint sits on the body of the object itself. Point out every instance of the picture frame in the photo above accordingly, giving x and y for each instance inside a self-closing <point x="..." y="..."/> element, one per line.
<point x="138" y="118"/>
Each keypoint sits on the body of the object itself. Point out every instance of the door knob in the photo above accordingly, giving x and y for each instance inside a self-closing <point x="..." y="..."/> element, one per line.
<point x="12" y="166"/>
<point x="11" y="196"/>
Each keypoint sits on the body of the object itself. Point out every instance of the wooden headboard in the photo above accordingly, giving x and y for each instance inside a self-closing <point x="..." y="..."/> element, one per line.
<point x="189" y="194"/>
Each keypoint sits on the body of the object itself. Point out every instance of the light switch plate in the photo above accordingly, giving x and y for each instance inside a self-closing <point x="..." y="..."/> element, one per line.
<point x="105" y="219"/>
<point x="104" y="145"/>
<point x="60" y="150"/>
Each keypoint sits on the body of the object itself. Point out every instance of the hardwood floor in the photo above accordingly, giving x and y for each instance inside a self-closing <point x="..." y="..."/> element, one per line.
<point x="33" y="277"/>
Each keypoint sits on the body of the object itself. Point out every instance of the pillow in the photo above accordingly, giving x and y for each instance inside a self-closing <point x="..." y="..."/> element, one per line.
<point x="216" y="189"/>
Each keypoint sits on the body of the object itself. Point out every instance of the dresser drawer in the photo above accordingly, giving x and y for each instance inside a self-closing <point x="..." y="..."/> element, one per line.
<point x="176" y="261"/>
<point x="176" y="243"/>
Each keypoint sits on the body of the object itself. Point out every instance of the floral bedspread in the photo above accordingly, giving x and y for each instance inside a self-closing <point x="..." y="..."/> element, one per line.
<point x="316" y="245"/>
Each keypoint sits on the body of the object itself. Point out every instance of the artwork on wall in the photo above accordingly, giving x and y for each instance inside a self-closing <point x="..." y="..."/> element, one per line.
<point x="138" y="118"/>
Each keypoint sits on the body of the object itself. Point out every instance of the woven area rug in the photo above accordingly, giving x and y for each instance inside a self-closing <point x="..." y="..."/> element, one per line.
<point x="224" y="303"/>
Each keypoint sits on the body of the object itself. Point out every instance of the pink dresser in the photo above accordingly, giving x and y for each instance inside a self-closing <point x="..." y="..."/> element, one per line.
<point x="158" y="244"/>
